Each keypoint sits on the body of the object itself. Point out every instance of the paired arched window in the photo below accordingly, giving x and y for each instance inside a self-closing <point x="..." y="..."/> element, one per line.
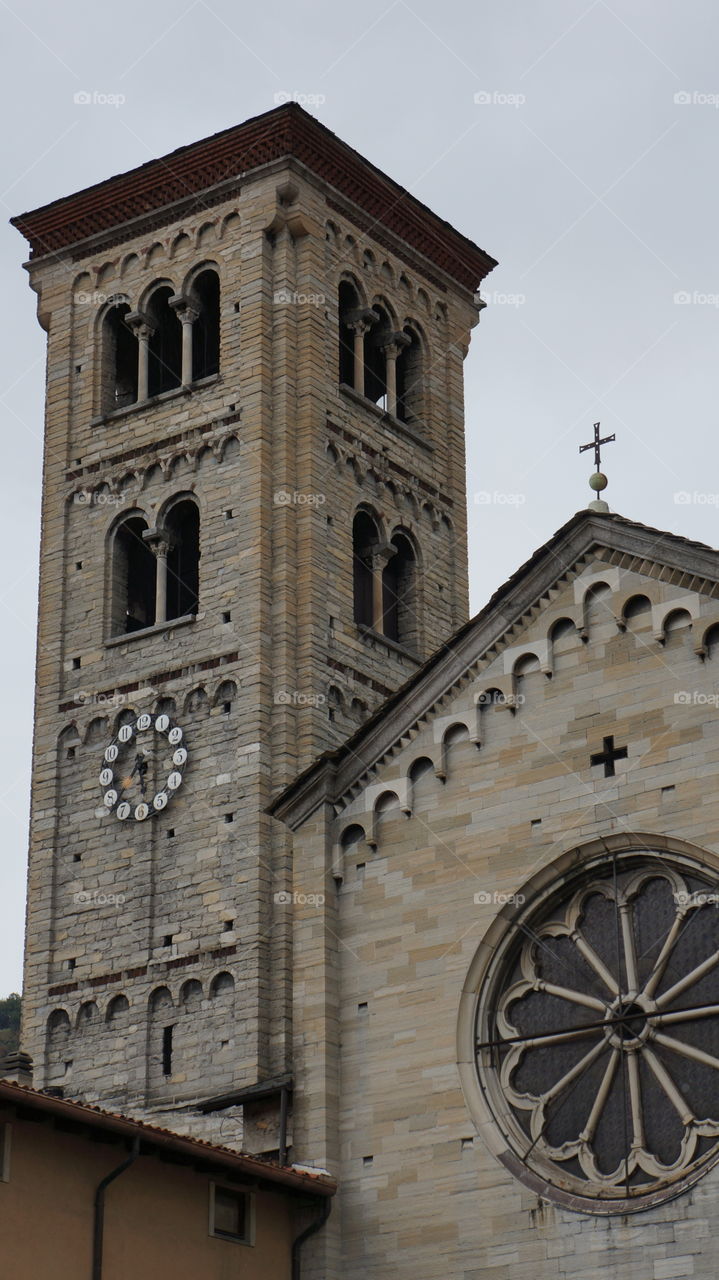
<point x="155" y="572"/>
<point x="385" y="582"/>
<point x="382" y="363"/>
<point x="173" y="341"/>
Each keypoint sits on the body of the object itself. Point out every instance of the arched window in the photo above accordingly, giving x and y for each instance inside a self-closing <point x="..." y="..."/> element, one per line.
<point x="119" y="360"/>
<point x="365" y="538"/>
<point x="348" y="305"/>
<point x="409" y="379"/>
<point x="399" y="593"/>
<point x="206" y="329"/>
<point x="183" y="562"/>
<point x="133" y="579"/>
<point x="375" y="359"/>
<point x="165" y="352"/>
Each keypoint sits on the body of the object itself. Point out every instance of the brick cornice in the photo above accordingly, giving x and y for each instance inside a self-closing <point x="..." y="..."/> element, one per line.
<point x="287" y="131"/>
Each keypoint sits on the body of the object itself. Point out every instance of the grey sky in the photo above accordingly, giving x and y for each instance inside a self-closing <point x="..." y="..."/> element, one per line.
<point x="579" y="168"/>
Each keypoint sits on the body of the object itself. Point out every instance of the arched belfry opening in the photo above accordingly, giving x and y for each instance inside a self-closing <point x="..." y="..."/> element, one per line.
<point x="376" y="340"/>
<point x="399" y="593"/>
<point x="410" y="406"/>
<point x="118" y="374"/>
<point x="349" y="306"/>
<point x="206" y="327"/>
<point x="164" y="371"/>
<point x="133" y="578"/>
<point x="182" y="524"/>
<point x="365" y="540"/>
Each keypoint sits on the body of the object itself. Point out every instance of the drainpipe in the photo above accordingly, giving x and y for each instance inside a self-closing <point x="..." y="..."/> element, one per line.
<point x="99" y="1223"/>
<point x="305" y="1235"/>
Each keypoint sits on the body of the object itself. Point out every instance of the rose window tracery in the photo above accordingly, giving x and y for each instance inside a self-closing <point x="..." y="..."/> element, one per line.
<point x="597" y="1031"/>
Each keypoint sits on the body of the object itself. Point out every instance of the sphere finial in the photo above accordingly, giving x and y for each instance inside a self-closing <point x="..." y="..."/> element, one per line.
<point x="598" y="481"/>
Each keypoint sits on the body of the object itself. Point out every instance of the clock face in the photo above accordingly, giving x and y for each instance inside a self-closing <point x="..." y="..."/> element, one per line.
<point x="143" y="767"/>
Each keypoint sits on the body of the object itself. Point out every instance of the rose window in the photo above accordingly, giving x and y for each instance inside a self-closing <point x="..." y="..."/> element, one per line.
<point x="597" y="1033"/>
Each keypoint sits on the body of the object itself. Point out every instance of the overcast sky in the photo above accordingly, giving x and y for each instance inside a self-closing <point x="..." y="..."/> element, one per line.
<point x="576" y="142"/>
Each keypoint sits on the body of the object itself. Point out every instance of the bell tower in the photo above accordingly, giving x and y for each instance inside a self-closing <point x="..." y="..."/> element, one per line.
<point x="253" y="532"/>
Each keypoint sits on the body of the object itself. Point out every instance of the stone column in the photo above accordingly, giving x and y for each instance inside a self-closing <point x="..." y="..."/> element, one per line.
<point x="187" y="312"/>
<point x="143" y="331"/>
<point x="381" y="555"/>
<point x="391" y="349"/>
<point x="360" y="322"/>
<point x="160" y="543"/>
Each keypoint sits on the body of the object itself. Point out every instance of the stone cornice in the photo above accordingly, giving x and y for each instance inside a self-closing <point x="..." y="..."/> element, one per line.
<point x="287" y="131"/>
<point x="334" y="773"/>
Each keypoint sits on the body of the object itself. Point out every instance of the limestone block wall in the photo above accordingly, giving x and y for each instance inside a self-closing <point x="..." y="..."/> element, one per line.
<point x="271" y="670"/>
<point x="490" y="791"/>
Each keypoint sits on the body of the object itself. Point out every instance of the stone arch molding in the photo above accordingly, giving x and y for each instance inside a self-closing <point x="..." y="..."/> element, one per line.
<point x="500" y="689"/>
<point x="124" y="482"/>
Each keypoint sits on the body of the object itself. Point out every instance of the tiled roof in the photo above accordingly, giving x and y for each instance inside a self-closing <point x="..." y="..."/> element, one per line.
<point x="192" y="171"/>
<point x="152" y="1136"/>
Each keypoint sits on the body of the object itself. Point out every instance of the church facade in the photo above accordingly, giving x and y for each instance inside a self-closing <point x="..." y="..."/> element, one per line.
<point x="505" y="1018"/>
<point x="318" y="867"/>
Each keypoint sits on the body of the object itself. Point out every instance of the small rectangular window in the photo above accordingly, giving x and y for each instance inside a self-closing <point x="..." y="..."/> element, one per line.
<point x="231" y="1214"/>
<point x="167" y="1051"/>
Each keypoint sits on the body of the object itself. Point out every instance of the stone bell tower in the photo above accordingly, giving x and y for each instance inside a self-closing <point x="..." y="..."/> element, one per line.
<point x="253" y="532"/>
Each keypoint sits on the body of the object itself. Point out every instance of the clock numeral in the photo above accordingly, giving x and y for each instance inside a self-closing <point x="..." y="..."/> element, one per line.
<point x="174" y="780"/>
<point x="123" y="811"/>
<point x="109" y="799"/>
<point x="125" y="733"/>
<point x="160" y="800"/>
<point x="106" y="777"/>
<point x="111" y="753"/>
<point x="175" y="736"/>
<point x="143" y="722"/>
<point x="180" y="756"/>
<point x="162" y="724"/>
<point x="142" y="811"/>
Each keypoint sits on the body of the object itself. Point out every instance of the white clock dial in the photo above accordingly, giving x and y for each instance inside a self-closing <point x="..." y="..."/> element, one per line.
<point x="142" y="767"/>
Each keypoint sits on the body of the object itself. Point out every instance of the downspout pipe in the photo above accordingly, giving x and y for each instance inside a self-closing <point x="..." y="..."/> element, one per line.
<point x="99" y="1220"/>
<point x="305" y="1235"/>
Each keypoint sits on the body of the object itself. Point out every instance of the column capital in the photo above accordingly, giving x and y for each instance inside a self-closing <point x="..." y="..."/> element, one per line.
<point x="186" y="307"/>
<point x="362" y="319"/>
<point x="381" y="553"/>
<point x="159" y="540"/>
<point x="392" y="343"/>
<point x="140" y="324"/>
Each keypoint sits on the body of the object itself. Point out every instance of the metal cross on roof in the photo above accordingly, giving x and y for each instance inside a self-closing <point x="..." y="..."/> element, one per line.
<point x="596" y="445"/>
